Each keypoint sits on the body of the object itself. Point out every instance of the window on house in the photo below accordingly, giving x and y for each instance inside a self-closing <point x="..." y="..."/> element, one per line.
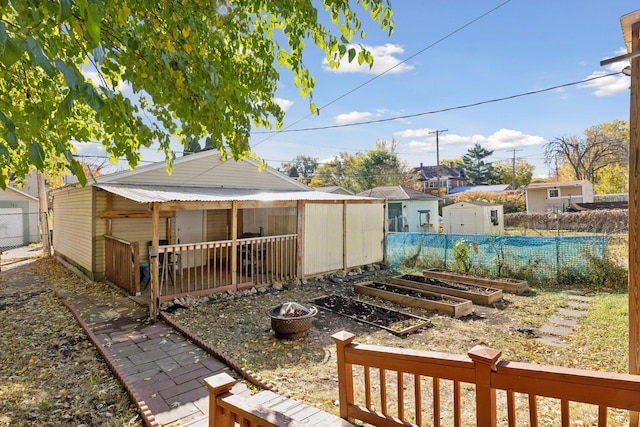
<point x="494" y="217"/>
<point x="553" y="193"/>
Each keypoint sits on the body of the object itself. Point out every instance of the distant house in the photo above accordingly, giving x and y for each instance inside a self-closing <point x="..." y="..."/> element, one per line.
<point x="18" y="218"/>
<point x="473" y="218"/>
<point x="448" y="177"/>
<point x="498" y="188"/>
<point x="407" y="209"/>
<point x="336" y="189"/>
<point x="547" y="197"/>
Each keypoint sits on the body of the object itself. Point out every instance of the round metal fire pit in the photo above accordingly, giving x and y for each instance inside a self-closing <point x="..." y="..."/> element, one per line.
<point x="291" y="320"/>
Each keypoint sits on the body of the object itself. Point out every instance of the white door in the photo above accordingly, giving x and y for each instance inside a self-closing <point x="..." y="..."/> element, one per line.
<point x="11" y="228"/>
<point x="190" y="229"/>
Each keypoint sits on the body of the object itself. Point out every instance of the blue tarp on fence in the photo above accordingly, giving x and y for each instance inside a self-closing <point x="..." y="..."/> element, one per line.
<point x="498" y="255"/>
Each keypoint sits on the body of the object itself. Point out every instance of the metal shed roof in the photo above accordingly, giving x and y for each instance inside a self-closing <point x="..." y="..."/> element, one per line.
<point x="167" y="193"/>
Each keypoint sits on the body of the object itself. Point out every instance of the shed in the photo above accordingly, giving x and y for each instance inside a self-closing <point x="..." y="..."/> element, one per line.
<point x="407" y="209"/>
<point x="211" y="226"/>
<point x="18" y="218"/>
<point x="473" y="218"/>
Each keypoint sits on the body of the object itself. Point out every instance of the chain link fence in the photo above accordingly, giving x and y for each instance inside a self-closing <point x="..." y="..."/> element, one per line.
<point x="525" y="257"/>
<point x="19" y="229"/>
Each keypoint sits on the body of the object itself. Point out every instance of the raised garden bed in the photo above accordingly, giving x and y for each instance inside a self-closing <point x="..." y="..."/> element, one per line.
<point x="512" y="286"/>
<point x="478" y="294"/>
<point x="411" y="297"/>
<point x="394" y="321"/>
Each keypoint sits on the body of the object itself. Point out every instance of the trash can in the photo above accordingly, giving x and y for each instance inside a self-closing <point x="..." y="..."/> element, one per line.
<point x="145" y="274"/>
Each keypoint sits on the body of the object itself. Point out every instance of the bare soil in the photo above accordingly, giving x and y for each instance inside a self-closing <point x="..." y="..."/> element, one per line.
<point x="450" y="285"/>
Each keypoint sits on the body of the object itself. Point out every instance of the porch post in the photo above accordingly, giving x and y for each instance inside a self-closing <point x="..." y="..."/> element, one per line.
<point x="155" y="276"/>
<point x="634" y="211"/>
<point x="344" y="236"/>
<point x="300" y="240"/>
<point x="234" y="242"/>
<point x="484" y="362"/>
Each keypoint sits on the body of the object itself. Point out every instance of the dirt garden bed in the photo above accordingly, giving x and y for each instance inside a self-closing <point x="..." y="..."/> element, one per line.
<point x="394" y="321"/>
<point x="411" y="297"/>
<point x="478" y="294"/>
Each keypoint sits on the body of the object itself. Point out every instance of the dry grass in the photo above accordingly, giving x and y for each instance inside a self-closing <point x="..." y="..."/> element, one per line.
<point x="51" y="372"/>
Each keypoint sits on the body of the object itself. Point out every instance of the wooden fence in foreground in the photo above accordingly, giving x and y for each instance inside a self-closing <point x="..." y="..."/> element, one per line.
<point x="393" y="387"/>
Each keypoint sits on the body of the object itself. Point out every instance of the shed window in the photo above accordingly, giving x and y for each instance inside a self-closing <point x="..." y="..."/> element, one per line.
<point x="494" y="217"/>
<point x="553" y="193"/>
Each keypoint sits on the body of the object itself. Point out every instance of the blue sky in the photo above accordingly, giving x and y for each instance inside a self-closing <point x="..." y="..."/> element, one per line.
<point x="521" y="46"/>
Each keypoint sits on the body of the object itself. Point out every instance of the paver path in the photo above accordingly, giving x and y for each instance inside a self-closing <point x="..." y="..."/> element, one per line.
<point x="562" y="323"/>
<point x="161" y="369"/>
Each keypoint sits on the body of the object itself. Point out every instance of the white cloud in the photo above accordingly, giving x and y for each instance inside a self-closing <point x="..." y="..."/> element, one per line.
<point x="384" y="58"/>
<point x="352" y="117"/>
<point x="610" y="85"/>
<point x="285" y="104"/>
<point x="499" y="140"/>
<point x="414" y="133"/>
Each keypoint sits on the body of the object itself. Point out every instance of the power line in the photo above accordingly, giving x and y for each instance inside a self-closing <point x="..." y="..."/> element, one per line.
<point x="441" y="39"/>
<point x="442" y="110"/>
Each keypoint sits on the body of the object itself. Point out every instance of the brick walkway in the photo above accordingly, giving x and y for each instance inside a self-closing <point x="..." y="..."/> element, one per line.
<point x="161" y="369"/>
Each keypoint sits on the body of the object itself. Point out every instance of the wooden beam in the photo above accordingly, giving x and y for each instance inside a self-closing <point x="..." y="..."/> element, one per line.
<point x="234" y="243"/>
<point x="634" y="211"/>
<point x="134" y="214"/>
<point x="300" y="240"/>
<point x="194" y="206"/>
<point x="155" y="268"/>
<point x="344" y="236"/>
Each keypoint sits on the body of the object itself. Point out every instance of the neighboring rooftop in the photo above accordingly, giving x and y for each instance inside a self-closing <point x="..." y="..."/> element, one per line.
<point x="396" y="192"/>
<point x="498" y="188"/>
<point x="442" y="171"/>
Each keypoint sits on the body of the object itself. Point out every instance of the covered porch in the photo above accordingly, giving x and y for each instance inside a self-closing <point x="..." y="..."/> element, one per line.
<point x="168" y="241"/>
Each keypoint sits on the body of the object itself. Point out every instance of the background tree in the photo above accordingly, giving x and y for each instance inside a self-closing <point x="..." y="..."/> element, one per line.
<point x="379" y="167"/>
<point x="523" y="175"/>
<point x="603" y="145"/>
<point x="202" y="69"/>
<point x="301" y="167"/>
<point x="476" y="170"/>
<point x="335" y="172"/>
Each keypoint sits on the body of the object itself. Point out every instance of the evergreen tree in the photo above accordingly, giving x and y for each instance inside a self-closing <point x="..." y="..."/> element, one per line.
<point x="475" y="169"/>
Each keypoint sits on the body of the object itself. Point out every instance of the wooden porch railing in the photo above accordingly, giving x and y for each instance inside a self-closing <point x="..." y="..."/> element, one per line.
<point x="227" y="409"/>
<point x="386" y="386"/>
<point x="201" y="268"/>
<point x="122" y="263"/>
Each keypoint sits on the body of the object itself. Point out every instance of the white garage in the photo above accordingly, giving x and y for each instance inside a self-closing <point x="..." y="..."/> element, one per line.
<point x="473" y="218"/>
<point x="18" y="218"/>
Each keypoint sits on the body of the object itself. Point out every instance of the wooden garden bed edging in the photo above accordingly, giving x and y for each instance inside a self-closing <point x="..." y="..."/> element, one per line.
<point x="409" y="323"/>
<point x="512" y="286"/>
<point x="457" y="307"/>
<point x="485" y="298"/>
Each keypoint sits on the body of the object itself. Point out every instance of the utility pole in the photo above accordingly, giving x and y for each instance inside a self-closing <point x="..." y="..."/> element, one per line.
<point x="44" y="215"/>
<point x="438" y="132"/>
<point x="513" y="169"/>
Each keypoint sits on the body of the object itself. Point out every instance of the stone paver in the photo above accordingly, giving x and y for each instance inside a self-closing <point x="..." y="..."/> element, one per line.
<point x="553" y="341"/>
<point x="569" y="322"/>
<point x="560" y="331"/>
<point x="568" y="312"/>
<point x="578" y="305"/>
<point x="582" y="298"/>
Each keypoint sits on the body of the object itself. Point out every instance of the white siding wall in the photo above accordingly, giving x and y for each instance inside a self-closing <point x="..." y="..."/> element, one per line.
<point x="323" y="238"/>
<point x="365" y="233"/>
<point x="72" y="226"/>
<point x="135" y="229"/>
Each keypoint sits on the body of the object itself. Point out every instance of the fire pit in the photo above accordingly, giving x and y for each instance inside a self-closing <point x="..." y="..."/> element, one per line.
<point x="291" y="320"/>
